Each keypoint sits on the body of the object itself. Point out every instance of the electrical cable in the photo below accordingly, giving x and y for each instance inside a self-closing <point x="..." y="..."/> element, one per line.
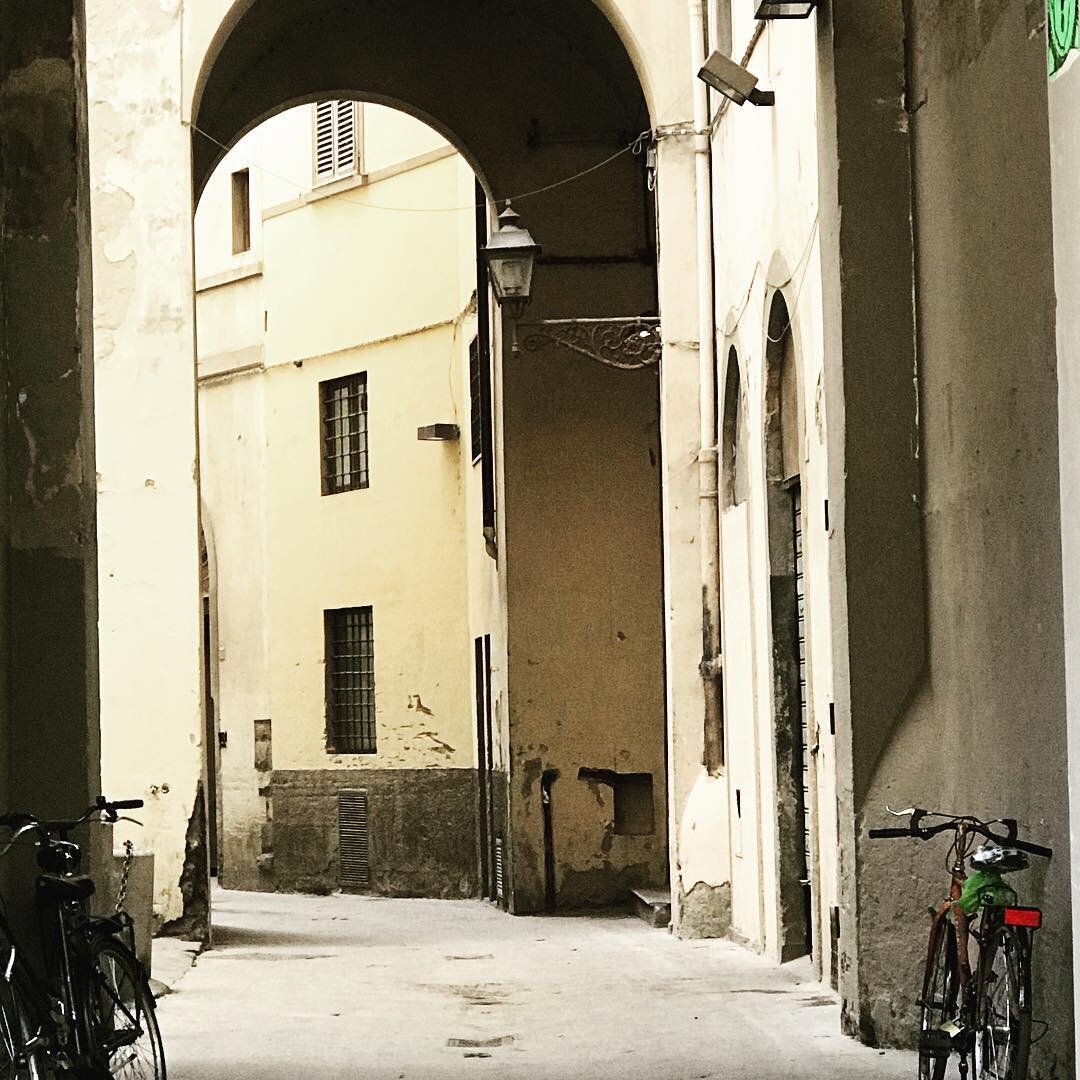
<point x="634" y="145"/>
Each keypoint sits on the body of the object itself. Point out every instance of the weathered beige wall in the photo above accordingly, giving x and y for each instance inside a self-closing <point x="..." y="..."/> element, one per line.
<point x="283" y="552"/>
<point x="1064" y="105"/>
<point x="147" y="472"/>
<point x="948" y="504"/>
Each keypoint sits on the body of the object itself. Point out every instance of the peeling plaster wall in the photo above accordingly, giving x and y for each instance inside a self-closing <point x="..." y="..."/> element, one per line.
<point x="951" y="624"/>
<point x="303" y="310"/>
<point x="145" y="413"/>
<point x="48" y="714"/>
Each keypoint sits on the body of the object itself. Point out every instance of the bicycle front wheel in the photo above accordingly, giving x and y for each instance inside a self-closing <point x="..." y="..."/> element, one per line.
<point x="20" y="1058"/>
<point x="938" y="1001"/>
<point x="120" y="1010"/>
<point x="1003" y="1005"/>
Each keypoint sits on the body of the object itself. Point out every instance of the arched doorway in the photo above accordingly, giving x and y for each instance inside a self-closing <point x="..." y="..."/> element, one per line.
<point x="784" y="437"/>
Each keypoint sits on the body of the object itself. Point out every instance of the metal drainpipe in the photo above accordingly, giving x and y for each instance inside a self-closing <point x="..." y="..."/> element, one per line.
<point x="708" y="472"/>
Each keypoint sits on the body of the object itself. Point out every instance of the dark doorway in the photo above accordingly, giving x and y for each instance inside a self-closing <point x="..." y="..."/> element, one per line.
<point x="210" y="736"/>
<point x="783" y="457"/>
<point x="485" y="760"/>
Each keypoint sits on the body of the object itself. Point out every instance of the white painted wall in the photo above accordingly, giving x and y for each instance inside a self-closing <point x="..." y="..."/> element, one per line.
<point x="145" y="412"/>
<point x="765" y="240"/>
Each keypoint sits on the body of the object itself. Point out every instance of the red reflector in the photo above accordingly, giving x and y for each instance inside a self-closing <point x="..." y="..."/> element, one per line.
<point x="1023" y="916"/>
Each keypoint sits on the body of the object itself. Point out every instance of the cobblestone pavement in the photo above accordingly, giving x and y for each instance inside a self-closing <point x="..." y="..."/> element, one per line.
<point x="375" y="989"/>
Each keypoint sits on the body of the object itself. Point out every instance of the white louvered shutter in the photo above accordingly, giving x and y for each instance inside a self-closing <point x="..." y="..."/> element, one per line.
<point x="324" y="141"/>
<point x="335" y="140"/>
<point x="345" y="149"/>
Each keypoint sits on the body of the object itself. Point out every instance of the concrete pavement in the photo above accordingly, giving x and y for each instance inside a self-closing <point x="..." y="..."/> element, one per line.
<point x="375" y="989"/>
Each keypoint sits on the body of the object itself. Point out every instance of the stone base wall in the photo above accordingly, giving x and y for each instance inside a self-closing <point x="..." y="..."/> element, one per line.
<point x="422" y="830"/>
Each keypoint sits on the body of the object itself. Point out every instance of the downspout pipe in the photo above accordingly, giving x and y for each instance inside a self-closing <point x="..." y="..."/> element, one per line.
<point x="708" y="470"/>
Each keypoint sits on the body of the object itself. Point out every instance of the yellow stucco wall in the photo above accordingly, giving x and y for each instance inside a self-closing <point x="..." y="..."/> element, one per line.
<point x="338" y="281"/>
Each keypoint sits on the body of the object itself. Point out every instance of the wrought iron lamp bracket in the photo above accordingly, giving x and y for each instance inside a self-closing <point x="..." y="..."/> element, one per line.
<point x="627" y="344"/>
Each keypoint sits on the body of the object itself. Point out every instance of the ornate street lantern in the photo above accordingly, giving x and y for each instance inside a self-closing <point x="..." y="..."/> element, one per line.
<point x="785" y="9"/>
<point x="624" y="343"/>
<point x="511" y="255"/>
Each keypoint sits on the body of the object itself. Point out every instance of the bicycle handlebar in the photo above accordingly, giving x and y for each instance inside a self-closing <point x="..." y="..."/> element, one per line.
<point x="17" y="820"/>
<point x="925" y="832"/>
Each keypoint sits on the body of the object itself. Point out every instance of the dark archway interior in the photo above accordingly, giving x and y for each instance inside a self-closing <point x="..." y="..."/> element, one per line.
<point x="532" y="96"/>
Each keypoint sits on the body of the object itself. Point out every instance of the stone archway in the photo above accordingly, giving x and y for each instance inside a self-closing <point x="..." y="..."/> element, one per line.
<point x="579" y="497"/>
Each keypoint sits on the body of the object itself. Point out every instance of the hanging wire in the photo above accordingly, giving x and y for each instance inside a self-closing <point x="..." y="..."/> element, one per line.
<point x="635" y="146"/>
<point x="803" y="265"/>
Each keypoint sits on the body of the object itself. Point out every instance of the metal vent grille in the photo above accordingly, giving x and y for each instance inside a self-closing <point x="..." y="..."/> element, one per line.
<point x="498" y="868"/>
<point x="353" y="835"/>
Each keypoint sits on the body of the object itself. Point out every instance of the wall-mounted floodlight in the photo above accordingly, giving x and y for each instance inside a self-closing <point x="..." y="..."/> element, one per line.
<point x="733" y="81"/>
<point x="786" y="9"/>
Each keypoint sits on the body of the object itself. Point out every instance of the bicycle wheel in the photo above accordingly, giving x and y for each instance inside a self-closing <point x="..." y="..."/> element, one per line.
<point x="19" y="1059"/>
<point x="938" y="1001"/>
<point x="1003" y="1005"/>
<point x="120" y="1009"/>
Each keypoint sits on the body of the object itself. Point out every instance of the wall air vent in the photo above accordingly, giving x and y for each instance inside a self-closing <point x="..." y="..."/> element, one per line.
<point x="498" y="868"/>
<point x="353" y="836"/>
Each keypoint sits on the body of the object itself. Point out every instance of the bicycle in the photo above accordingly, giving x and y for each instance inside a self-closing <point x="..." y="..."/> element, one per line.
<point x="91" y="1015"/>
<point x="985" y="1017"/>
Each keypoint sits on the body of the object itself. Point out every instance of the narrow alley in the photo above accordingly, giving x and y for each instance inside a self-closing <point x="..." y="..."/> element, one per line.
<point x="338" y="986"/>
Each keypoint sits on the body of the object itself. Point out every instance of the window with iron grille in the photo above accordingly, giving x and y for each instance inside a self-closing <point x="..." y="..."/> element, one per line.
<point x="343" y="407"/>
<point x="337" y="140"/>
<point x="476" y="416"/>
<point x="350" y="681"/>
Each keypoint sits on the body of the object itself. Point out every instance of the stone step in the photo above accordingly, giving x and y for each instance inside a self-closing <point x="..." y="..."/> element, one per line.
<point x="652" y="906"/>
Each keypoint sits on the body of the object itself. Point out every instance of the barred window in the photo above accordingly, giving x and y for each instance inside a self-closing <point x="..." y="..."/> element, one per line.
<point x="476" y="417"/>
<point x="343" y="406"/>
<point x="350" y="681"/>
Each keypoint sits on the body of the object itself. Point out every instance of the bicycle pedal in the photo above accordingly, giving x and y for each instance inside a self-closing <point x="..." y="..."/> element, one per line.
<point x="936" y="1041"/>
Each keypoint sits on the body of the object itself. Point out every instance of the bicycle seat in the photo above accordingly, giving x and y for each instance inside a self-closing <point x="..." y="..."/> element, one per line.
<point x="996" y="858"/>
<point x="55" y="887"/>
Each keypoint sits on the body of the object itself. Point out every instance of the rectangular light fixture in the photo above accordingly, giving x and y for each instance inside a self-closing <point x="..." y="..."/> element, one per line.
<point x="785" y="9"/>
<point x="438" y="433"/>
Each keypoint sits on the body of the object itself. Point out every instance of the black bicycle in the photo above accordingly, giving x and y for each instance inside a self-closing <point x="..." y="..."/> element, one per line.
<point x="90" y="1015"/>
<point x="982" y="1015"/>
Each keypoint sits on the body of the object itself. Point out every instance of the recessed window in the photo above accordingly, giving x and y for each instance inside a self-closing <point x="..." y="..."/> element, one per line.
<point x="734" y="443"/>
<point x="343" y="406"/>
<point x="241" y="211"/>
<point x="475" y="397"/>
<point x="350" y="681"/>
<point x="337" y="140"/>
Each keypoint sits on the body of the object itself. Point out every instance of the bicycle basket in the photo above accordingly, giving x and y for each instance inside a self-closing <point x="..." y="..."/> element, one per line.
<point x="985" y="887"/>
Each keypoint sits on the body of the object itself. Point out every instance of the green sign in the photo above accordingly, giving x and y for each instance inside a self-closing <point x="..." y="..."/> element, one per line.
<point x="1061" y="32"/>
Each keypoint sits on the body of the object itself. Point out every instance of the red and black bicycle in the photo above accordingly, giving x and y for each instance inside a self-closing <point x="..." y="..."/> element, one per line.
<point x="980" y="1013"/>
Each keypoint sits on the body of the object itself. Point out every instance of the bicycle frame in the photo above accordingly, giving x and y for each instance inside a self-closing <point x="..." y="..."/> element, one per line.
<point x="962" y="923"/>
